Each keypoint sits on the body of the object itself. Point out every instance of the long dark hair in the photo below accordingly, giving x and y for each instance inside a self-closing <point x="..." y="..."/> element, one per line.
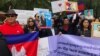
<point x="28" y="25"/>
<point x="81" y="25"/>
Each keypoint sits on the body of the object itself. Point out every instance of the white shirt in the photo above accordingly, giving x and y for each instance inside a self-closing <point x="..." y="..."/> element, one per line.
<point x="53" y="32"/>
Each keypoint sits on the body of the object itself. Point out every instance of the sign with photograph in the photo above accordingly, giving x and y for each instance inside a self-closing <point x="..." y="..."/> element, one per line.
<point x="71" y="6"/>
<point x="44" y="17"/>
<point x="96" y="29"/>
<point x="88" y="14"/>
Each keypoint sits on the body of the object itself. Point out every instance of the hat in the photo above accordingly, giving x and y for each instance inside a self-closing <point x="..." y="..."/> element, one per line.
<point x="11" y="13"/>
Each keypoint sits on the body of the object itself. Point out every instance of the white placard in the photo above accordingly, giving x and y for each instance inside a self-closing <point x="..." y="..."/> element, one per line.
<point x="58" y="6"/>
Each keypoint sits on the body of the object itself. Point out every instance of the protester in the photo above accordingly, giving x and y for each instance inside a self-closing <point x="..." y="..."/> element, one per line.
<point x="30" y="27"/>
<point x="69" y="27"/>
<point x="37" y="21"/>
<point x="85" y="28"/>
<point x="10" y="25"/>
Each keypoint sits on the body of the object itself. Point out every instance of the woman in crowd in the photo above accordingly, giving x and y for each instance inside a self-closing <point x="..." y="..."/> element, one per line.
<point x="85" y="28"/>
<point x="30" y="27"/>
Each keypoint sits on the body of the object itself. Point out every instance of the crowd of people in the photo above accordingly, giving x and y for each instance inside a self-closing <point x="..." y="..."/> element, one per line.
<point x="77" y="26"/>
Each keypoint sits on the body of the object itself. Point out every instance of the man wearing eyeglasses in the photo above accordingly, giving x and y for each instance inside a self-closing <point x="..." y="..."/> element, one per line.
<point x="11" y="26"/>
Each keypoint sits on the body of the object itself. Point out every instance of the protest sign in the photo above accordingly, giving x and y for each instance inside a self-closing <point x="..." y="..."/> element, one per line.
<point x="95" y="29"/>
<point x="70" y="45"/>
<point x="44" y="17"/>
<point x="71" y="6"/>
<point x="89" y="14"/>
<point x="43" y="47"/>
<point x="58" y="6"/>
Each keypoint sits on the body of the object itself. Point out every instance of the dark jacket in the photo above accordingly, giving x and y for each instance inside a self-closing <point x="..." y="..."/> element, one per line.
<point x="4" y="51"/>
<point x="28" y="29"/>
<point x="47" y="32"/>
<point x="86" y="33"/>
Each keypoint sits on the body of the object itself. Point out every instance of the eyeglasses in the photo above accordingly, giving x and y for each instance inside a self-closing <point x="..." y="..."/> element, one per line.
<point x="10" y="16"/>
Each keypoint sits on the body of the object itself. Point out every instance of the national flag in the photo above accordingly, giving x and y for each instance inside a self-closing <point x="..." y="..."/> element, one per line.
<point x="23" y="45"/>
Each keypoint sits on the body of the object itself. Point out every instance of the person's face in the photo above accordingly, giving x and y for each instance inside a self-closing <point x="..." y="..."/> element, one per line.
<point x="66" y="21"/>
<point x="37" y="17"/>
<point x="31" y="23"/>
<point x="86" y="24"/>
<point x="11" y="19"/>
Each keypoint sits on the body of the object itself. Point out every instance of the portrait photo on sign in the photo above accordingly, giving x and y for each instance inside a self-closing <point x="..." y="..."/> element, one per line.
<point x="89" y="14"/>
<point x="96" y="29"/>
<point x="71" y="6"/>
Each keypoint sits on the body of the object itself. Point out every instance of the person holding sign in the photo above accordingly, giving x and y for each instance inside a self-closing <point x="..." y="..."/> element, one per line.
<point x="70" y="27"/>
<point x="10" y="27"/>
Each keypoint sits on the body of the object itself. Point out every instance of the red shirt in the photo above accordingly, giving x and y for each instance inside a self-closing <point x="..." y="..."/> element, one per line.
<point x="7" y="29"/>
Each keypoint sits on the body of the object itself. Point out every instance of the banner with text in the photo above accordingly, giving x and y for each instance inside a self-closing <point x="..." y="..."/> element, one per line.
<point x="69" y="45"/>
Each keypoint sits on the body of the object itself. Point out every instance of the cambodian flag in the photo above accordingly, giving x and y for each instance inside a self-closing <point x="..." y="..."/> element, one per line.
<point x="23" y="45"/>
